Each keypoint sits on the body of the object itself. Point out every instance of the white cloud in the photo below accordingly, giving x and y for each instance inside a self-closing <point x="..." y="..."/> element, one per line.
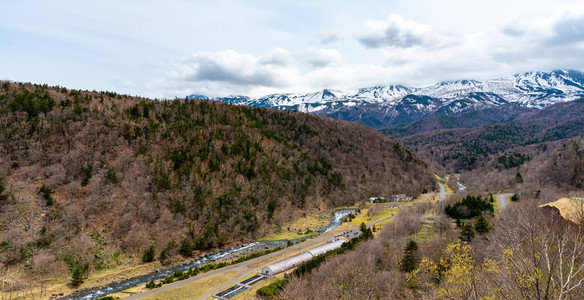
<point x="128" y="45"/>
<point x="277" y="57"/>
<point x="399" y="51"/>
<point x="318" y="58"/>
<point x="398" y="32"/>
<point x="330" y="37"/>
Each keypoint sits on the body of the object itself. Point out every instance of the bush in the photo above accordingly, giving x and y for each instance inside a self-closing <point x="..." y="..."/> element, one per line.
<point x="3" y="194"/>
<point x="150" y="285"/>
<point x="272" y="290"/>
<point x="186" y="248"/>
<point x="163" y="256"/>
<point x="46" y="193"/>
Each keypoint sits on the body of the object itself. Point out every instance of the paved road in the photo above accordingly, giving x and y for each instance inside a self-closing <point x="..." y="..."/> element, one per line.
<point x="503" y="200"/>
<point x="241" y="267"/>
<point x="426" y="217"/>
<point x="443" y="192"/>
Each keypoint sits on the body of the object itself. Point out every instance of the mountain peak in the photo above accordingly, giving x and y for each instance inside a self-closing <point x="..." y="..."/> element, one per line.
<point x="535" y="89"/>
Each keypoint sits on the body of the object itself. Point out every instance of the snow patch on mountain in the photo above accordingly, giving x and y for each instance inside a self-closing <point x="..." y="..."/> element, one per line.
<point x="531" y="89"/>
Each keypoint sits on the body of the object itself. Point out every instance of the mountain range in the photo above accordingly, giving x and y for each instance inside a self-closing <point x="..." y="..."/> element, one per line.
<point x="386" y="106"/>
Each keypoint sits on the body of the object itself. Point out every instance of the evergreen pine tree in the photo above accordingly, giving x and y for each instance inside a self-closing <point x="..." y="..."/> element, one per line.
<point x="467" y="233"/>
<point x="148" y="255"/>
<point x="77" y="276"/>
<point x="481" y="225"/>
<point x="408" y="262"/>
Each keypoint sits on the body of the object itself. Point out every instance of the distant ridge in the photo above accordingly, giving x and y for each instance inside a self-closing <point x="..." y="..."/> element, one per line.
<point x="383" y="106"/>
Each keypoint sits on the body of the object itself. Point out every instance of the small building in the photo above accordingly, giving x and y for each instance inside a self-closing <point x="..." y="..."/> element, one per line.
<point x="285" y="265"/>
<point x="377" y="200"/>
<point x="400" y="197"/>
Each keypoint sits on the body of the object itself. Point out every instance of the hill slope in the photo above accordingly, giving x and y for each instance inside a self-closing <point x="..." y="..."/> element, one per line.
<point x="466" y="148"/>
<point x="89" y="178"/>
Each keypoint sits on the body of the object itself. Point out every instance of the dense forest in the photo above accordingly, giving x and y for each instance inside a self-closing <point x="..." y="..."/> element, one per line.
<point x="467" y="141"/>
<point x="91" y="178"/>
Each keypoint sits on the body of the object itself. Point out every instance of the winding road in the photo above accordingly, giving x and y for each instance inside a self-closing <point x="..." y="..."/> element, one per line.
<point x="443" y="192"/>
<point x="503" y="200"/>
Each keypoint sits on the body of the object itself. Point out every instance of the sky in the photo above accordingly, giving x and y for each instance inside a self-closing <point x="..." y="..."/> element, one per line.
<point x="172" y="48"/>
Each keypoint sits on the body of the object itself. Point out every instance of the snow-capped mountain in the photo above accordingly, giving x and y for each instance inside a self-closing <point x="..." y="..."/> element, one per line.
<point x="382" y="106"/>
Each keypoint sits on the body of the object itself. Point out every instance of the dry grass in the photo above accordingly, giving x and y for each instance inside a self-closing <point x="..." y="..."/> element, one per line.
<point x="95" y="279"/>
<point x="571" y="210"/>
<point x="195" y="289"/>
<point x="301" y="227"/>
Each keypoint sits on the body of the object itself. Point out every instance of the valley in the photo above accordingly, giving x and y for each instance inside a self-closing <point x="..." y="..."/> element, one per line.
<point x="306" y="150"/>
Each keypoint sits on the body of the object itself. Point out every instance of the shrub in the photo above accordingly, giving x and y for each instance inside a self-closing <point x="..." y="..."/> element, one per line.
<point x="46" y="193"/>
<point x="272" y="290"/>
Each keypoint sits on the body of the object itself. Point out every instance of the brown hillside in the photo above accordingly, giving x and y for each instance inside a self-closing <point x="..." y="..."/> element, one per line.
<point x="90" y="177"/>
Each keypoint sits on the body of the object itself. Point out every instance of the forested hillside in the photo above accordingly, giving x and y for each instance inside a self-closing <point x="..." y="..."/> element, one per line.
<point x="460" y="148"/>
<point x="88" y="178"/>
<point x="555" y="165"/>
<point x="524" y="253"/>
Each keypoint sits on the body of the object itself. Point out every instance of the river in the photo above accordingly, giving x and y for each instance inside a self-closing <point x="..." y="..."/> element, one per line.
<point x="114" y="287"/>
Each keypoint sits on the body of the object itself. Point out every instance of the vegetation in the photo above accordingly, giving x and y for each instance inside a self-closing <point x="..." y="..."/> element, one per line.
<point x="46" y="193"/>
<point x="116" y="174"/>
<point x="276" y="287"/>
<point x="148" y="255"/>
<point x="469" y="207"/>
<point x="178" y="276"/>
<point x="469" y="146"/>
<point x="408" y="262"/>
<point x="273" y="289"/>
<point x="77" y="276"/>
<point x="528" y="253"/>
<point x="481" y="225"/>
<point x="467" y="233"/>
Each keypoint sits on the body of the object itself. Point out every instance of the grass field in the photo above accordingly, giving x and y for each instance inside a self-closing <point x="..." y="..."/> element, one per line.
<point x="299" y="228"/>
<point x="195" y="289"/>
<point x="201" y="287"/>
<point x="95" y="279"/>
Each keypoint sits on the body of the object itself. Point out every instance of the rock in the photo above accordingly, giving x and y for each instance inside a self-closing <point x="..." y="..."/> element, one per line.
<point x="61" y="294"/>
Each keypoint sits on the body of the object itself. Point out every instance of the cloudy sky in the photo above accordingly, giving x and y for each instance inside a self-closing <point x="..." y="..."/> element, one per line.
<point x="174" y="48"/>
